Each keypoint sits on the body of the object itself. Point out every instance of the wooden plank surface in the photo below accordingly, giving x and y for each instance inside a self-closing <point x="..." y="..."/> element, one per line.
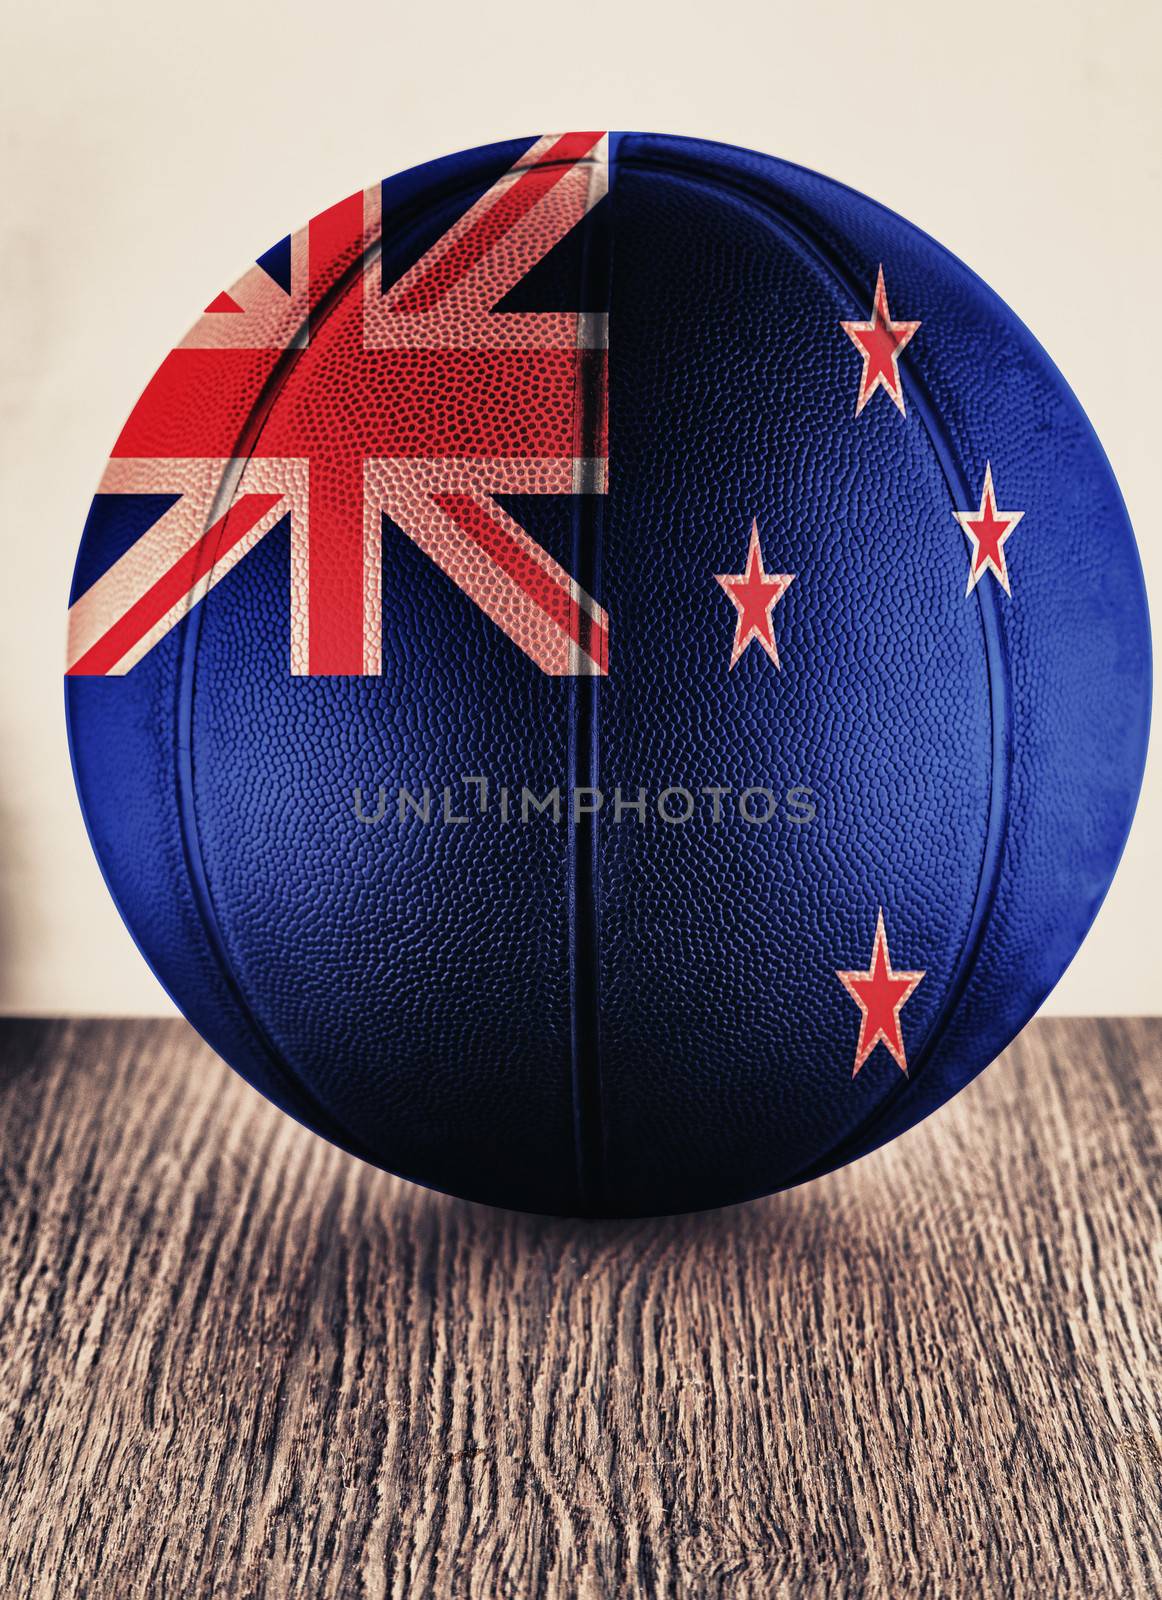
<point x="237" y="1362"/>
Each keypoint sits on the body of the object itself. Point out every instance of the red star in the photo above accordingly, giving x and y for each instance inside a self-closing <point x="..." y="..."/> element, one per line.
<point x="755" y="593"/>
<point x="879" y="341"/>
<point x="987" y="530"/>
<point x="880" y="994"/>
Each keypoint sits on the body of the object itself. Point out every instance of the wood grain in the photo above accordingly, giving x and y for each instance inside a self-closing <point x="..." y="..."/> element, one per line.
<point x="236" y="1362"/>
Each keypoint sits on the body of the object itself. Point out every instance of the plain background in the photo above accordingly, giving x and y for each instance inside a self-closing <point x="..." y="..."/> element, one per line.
<point x="149" y="152"/>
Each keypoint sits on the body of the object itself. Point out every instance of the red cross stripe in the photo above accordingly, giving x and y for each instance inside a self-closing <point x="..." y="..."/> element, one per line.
<point x="423" y="402"/>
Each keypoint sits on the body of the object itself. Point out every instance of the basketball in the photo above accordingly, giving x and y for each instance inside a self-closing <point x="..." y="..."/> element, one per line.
<point x="608" y="674"/>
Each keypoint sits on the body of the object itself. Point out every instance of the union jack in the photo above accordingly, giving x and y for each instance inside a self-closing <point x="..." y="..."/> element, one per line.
<point x="423" y="401"/>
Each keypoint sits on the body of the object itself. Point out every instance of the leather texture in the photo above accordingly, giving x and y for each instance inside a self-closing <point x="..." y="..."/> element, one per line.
<point x="631" y="1015"/>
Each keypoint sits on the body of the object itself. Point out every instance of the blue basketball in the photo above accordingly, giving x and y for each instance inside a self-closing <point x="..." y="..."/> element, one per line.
<point x="608" y="674"/>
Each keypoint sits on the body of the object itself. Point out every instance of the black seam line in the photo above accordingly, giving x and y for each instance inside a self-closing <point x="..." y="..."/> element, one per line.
<point x="588" y="511"/>
<point x="306" y="1106"/>
<point x="817" y="254"/>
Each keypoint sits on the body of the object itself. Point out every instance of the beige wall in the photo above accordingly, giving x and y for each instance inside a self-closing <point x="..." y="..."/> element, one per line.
<point x="149" y="150"/>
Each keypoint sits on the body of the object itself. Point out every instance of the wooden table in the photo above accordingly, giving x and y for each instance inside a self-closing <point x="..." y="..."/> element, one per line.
<point x="237" y="1362"/>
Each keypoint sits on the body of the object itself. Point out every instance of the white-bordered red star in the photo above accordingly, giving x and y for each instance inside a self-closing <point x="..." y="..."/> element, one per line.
<point x="880" y="340"/>
<point x="754" y="594"/>
<point x="880" y="993"/>
<point x="987" y="530"/>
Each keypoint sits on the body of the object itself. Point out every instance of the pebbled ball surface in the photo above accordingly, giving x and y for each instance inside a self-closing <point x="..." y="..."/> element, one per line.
<point x="642" y="1015"/>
